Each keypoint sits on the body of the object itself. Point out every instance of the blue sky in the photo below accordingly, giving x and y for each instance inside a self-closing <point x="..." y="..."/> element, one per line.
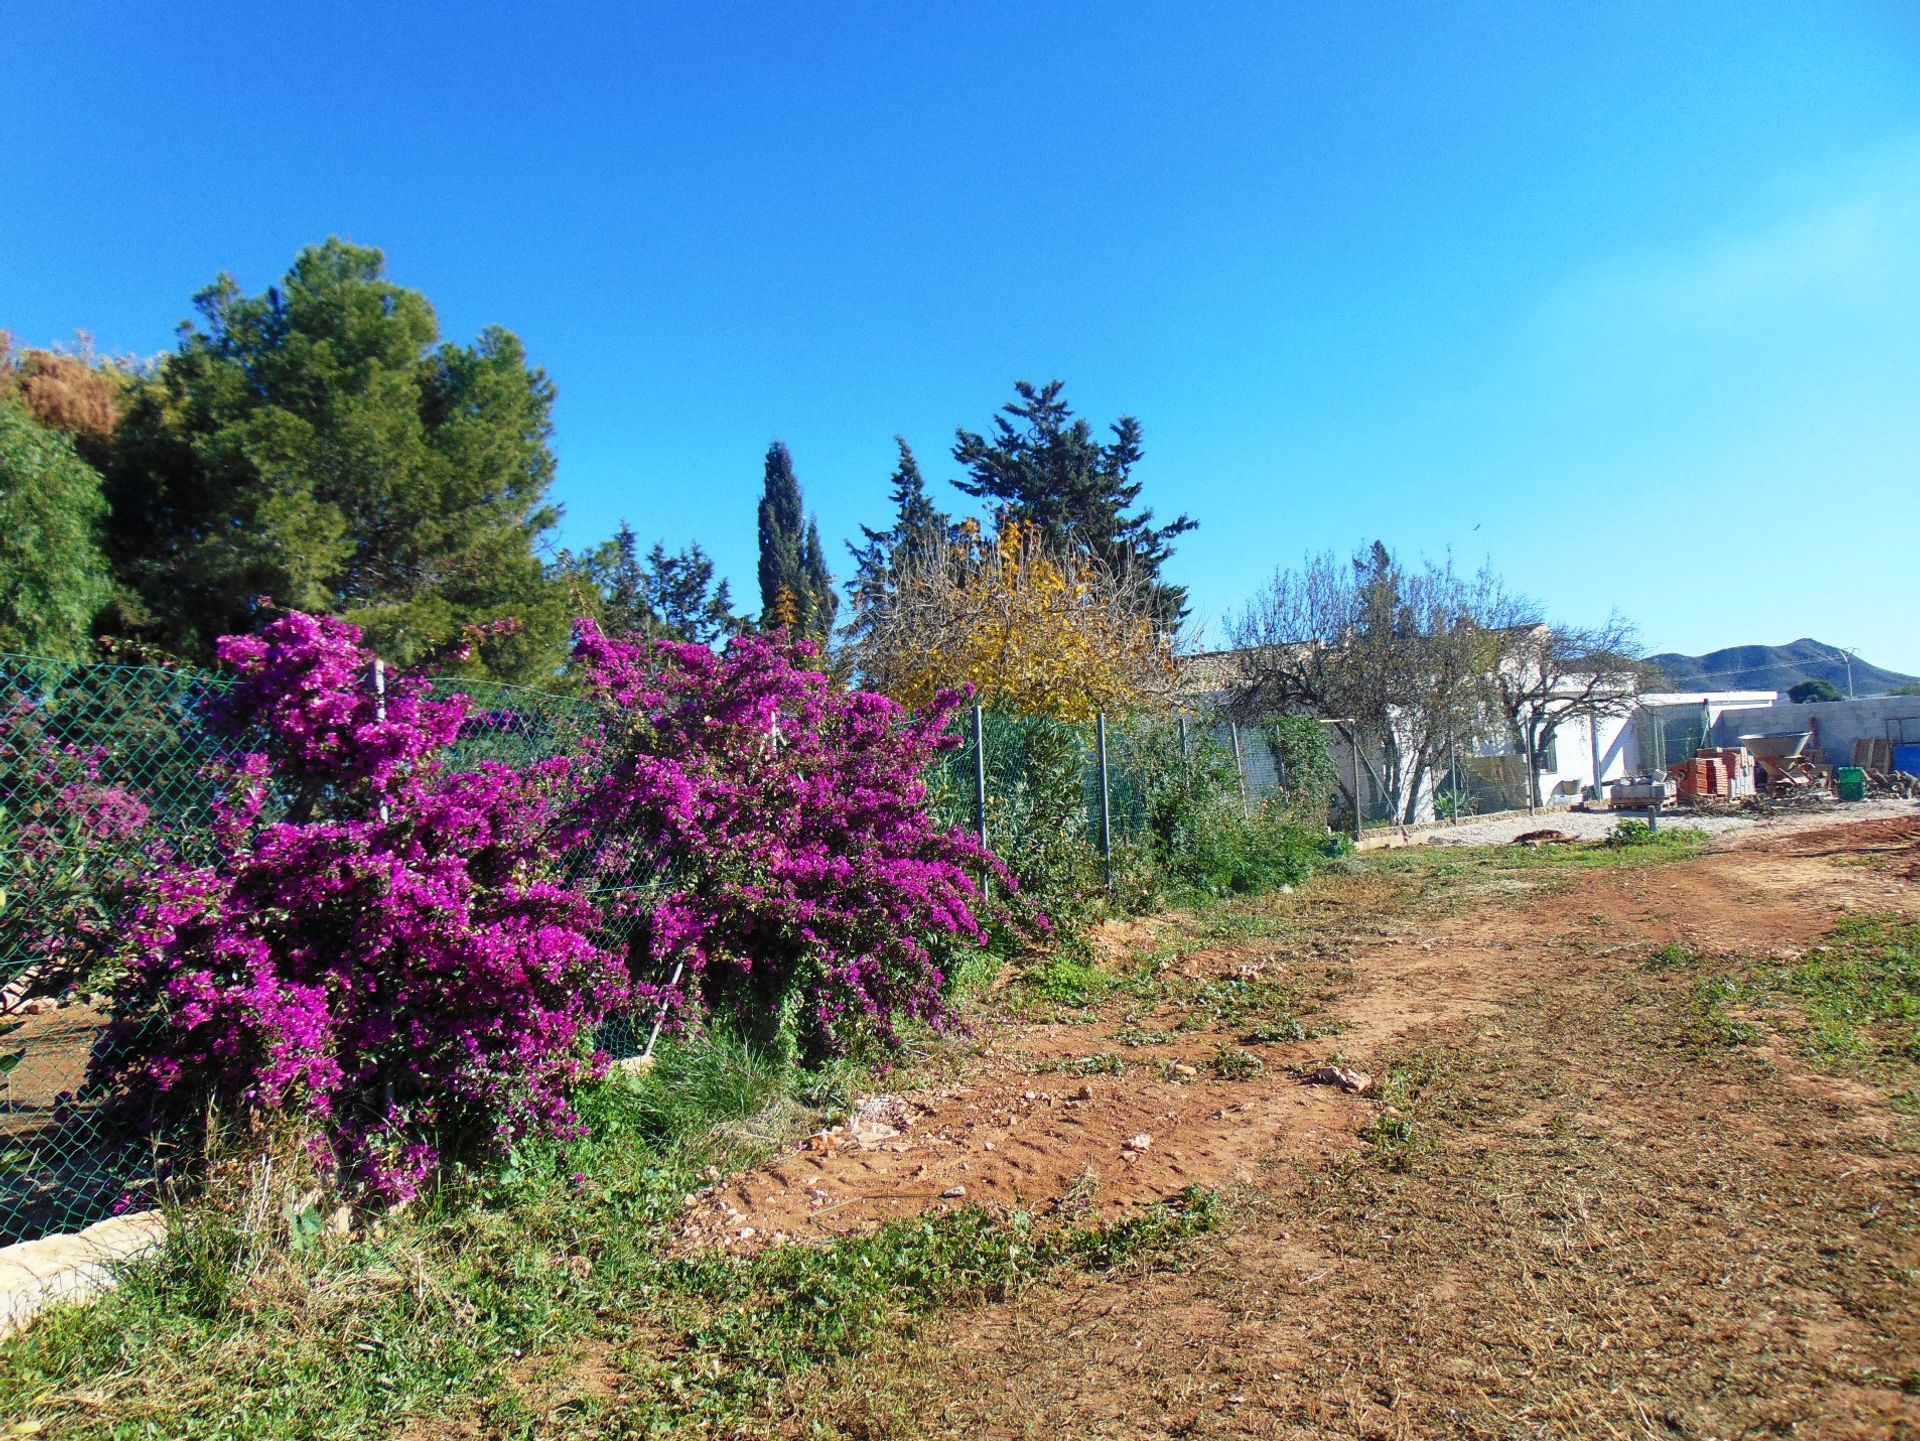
<point x="1624" y="299"/>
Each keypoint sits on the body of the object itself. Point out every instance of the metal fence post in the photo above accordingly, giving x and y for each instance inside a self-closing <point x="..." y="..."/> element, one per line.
<point x="1533" y="776"/>
<point x="377" y="683"/>
<point x="1239" y="768"/>
<point x="1183" y="734"/>
<point x="1453" y="749"/>
<point x="1359" y="805"/>
<point x="980" y="775"/>
<point x="1106" y="809"/>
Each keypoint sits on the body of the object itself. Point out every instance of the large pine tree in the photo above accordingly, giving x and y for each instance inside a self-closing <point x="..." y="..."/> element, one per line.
<point x="795" y="588"/>
<point x="319" y="444"/>
<point x="1042" y="466"/>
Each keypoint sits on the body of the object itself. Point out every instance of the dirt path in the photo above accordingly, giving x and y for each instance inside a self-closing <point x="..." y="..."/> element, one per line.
<point x="1606" y="1223"/>
<point x="1050" y="1111"/>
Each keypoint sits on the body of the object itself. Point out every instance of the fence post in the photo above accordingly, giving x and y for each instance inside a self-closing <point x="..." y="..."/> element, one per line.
<point x="980" y="775"/>
<point x="1359" y="805"/>
<point x="1239" y="768"/>
<point x="377" y="683"/>
<point x="1533" y="776"/>
<point x="1453" y="750"/>
<point x="1106" y="809"/>
<point x="1183" y="734"/>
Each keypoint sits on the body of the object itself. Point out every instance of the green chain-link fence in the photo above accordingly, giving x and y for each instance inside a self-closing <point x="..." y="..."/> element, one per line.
<point x="104" y="775"/>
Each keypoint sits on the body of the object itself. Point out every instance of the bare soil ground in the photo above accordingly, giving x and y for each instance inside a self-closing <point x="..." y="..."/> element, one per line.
<point x="1570" y="1208"/>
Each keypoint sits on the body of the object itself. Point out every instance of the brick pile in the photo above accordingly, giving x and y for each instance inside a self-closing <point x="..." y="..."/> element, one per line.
<point x="1724" y="773"/>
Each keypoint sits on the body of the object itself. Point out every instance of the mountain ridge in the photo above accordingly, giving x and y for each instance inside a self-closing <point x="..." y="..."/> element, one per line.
<point x="1773" y="667"/>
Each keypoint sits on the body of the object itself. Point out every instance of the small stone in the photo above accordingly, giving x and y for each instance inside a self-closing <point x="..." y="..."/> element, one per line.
<point x="1137" y="1143"/>
<point x="1085" y="1093"/>
<point x="953" y="1193"/>
<point x="1357" y="1083"/>
<point x="1183" y="1070"/>
<point x="746" y="1233"/>
<point x="986" y="1145"/>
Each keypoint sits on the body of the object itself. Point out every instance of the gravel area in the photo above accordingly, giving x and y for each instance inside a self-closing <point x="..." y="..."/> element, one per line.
<point x="1593" y="825"/>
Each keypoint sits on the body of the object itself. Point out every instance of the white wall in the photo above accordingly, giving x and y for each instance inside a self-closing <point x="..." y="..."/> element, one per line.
<point x="1837" y="724"/>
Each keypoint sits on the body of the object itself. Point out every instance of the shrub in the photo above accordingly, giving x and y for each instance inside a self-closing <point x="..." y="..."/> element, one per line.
<point x="386" y="951"/>
<point x="1192" y="833"/>
<point x="1304" y="763"/>
<point x="1038" y="819"/>
<point x="73" y="840"/>
<point x="804" y="882"/>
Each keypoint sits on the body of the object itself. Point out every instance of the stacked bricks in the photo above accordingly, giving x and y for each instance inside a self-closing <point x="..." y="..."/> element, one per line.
<point x="1726" y="773"/>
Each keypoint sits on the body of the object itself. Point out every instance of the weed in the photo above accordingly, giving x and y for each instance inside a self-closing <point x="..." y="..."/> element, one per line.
<point x="1396" y="1135"/>
<point x="1711" y="1022"/>
<point x="1279" y="1032"/>
<point x="1230" y="1063"/>
<point x="1673" y="956"/>
<point x="1069" y="981"/>
<point x="1100" y="1063"/>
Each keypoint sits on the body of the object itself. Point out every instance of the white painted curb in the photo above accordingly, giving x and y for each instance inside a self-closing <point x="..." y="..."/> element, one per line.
<point x="71" y="1267"/>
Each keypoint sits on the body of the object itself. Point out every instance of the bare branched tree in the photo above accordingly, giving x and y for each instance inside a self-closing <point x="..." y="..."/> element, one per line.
<point x="1394" y="659"/>
<point x="1549" y="674"/>
<point x="1409" y="664"/>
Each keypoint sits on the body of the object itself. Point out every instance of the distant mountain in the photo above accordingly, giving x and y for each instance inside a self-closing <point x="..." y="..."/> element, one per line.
<point x="1773" y="667"/>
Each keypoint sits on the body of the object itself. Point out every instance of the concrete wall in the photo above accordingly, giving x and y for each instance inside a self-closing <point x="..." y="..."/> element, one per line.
<point x="1836" y="724"/>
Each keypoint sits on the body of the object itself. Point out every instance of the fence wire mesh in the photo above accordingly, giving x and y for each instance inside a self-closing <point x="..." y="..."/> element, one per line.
<point x="105" y="774"/>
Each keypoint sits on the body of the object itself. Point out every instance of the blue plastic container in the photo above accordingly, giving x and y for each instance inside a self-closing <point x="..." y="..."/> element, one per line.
<point x="1907" y="758"/>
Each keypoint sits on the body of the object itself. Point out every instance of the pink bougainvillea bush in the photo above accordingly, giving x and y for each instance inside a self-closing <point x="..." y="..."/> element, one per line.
<point x="804" y="882"/>
<point x="387" y="950"/>
<point x="72" y="841"/>
<point x="408" y="954"/>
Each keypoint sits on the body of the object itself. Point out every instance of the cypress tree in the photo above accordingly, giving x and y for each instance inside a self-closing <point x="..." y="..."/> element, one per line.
<point x="795" y="588"/>
<point x="780" y="535"/>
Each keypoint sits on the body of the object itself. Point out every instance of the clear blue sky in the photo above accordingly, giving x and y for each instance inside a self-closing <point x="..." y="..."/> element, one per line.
<point x="1625" y="298"/>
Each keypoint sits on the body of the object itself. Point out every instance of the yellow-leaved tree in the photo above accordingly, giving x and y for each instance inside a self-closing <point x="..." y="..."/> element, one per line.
<point x="1033" y="629"/>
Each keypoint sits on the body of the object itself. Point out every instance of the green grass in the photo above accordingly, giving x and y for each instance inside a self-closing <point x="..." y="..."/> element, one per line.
<point x="1853" y="1000"/>
<point x="1399" y="1134"/>
<point x="1100" y="1063"/>
<point x="247" y="1327"/>
<point x="1230" y="1063"/>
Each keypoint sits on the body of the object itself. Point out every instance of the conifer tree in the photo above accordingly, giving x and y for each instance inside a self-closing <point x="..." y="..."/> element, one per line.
<point x="918" y="528"/>
<point x="321" y="445"/>
<point x="684" y="599"/>
<point x="795" y="588"/>
<point x="1043" y="467"/>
